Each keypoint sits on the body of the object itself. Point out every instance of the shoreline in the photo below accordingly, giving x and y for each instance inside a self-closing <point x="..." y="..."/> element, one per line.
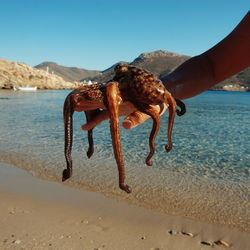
<point x="42" y="214"/>
<point x="204" y="200"/>
<point x="233" y="89"/>
<point x="200" y="199"/>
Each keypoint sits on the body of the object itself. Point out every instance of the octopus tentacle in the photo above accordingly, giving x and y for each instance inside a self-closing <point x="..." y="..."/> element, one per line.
<point x="156" y="125"/>
<point x="91" y="143"/>
<point x="112" y="93"/>
<point x="89" y="115"/>
<point x="68" y="130"/>
<point x="154" y="131"/>
<point x="181" y="105"/>
<point x="172" y="110"/>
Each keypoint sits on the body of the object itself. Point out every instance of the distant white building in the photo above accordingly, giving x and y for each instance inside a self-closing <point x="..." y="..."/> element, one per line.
<point x="88" y="82"/>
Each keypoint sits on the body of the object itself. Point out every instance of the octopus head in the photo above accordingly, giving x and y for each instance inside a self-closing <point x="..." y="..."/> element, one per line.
<point x="121" y="70"/>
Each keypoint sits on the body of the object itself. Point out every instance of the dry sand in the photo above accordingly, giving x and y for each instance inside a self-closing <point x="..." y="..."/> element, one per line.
<point x="37" y="214"/>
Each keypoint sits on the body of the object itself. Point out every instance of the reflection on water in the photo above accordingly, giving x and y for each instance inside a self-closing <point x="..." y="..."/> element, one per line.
<point x="210" y="158"/>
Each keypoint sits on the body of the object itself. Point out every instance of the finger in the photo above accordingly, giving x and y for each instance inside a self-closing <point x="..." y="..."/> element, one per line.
<point x="137" y="117"/>
<point x="162" y="108"/>
<point x="134" y="120"/>
<point x="104" y="115"/>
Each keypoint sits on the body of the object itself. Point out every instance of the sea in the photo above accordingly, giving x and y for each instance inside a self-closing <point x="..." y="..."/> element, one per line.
<point x="205" y="177"/>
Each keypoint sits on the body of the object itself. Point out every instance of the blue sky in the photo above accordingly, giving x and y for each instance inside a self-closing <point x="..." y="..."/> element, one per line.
<point x="95" y="34"/>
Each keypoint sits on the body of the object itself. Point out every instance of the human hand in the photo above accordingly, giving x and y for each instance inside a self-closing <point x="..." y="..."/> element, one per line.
<point x="195" y="75"/>
<point x="133" y="116"/>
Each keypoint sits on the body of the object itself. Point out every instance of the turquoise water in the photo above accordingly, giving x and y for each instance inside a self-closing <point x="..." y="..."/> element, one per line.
<point x="209" y="163"/>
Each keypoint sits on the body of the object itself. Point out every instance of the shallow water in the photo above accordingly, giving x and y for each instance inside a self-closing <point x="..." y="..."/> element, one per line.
<point x="205" y="176"/>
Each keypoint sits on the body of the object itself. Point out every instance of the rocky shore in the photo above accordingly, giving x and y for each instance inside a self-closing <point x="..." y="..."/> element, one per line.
<point x="235" y="87"/>
<point x="20" y="74"/>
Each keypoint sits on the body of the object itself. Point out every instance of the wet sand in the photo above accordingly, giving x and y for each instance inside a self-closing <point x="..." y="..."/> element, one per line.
<point x="37" y="214"/>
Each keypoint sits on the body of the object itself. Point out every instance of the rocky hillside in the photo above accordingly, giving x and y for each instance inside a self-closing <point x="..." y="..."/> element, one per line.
<point x="50" y="75"/>
<point x="70" y="74"/>
<point x="20" y="74"/>
<point x="162" y="62"/>
<point x="159" y="62"/>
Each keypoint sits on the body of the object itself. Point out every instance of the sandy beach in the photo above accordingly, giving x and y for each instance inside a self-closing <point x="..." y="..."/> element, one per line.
<point x="37" y="214"/>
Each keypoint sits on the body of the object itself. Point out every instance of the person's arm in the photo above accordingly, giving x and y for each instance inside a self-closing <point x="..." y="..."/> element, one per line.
<point x="197" y="74"/>
<point x="225" y="59"/>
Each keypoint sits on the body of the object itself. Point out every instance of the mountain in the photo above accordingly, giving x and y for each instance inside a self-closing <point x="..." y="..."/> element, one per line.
<point x="70" y="74"/>
<point x="51" y="75"/>
<point x="161" y="62"/>
<point x="20" y="74"/>
<point x="105" y="75"/>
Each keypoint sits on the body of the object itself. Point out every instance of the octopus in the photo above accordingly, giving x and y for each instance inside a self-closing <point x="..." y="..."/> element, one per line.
<point x="130" y="84"/>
